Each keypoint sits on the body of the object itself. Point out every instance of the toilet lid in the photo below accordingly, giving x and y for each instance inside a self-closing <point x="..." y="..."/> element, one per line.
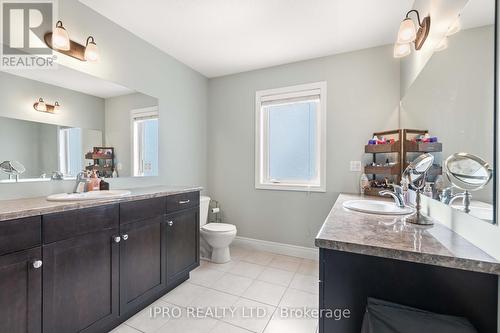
<point x="219" y="227"/>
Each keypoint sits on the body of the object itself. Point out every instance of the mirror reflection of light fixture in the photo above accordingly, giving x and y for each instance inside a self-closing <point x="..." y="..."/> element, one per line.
<point x="60" y="37"/>
<point x="91" y="51"/>
<point x="59" y="41"/>
<point x="402" y="50"/>
<point x="41" y="106"/>
<point x="408" y="34"/>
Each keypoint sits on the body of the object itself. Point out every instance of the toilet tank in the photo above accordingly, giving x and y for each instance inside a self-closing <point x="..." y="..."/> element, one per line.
<point x="204" y="204"/>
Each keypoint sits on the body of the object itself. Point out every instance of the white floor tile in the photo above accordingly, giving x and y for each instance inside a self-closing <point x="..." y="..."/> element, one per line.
<point x="276" y="276"/>
<point x="298" y="299"/>
<point x="214" y="299"/>
<point x="265" y="292"/>
<point x="307" y="283"/>
<point x="260" y="258"/>
<point x="124" y="329"/>
<point x="223" y="327"/>
<point x="247" y="269"/>
<point x="184" y="294"/>
<point x="251" y="315"/>
<point x="188" y="324"/>
<point x="283" y="325"/>
<point x="286" y="263"/>
<point x="232" y="284"/>
<point x="144" y="322"/>
<point x="309" y="267"/>
<point x="204" y="276"/>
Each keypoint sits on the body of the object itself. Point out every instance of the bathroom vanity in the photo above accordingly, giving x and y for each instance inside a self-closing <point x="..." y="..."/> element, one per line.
<point x="88" y="266"/>
<point x="427" y="267"/>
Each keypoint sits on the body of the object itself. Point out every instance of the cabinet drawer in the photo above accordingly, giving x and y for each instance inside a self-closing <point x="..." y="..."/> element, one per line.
<point x="59" y="226"/>
<point x="20" y="234"/>
<point x="182" y="201"/>
<point x="141" y="209"/>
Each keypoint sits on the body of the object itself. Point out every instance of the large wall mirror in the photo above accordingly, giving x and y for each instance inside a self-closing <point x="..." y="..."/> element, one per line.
<point x="57" y="123"/>
<point x="453" y="98"/>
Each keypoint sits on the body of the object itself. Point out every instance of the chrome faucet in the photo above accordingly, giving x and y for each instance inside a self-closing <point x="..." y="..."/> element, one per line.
<point x="397" y="195"/>
<point x="447" y="197"/>
<point x="82" y="183"/>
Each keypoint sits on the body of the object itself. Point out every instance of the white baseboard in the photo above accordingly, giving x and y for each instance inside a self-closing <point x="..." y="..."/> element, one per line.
<point x="278" y="248"/>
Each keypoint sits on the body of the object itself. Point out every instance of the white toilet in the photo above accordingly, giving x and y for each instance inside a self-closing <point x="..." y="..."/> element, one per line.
<point x="218" y="235"/>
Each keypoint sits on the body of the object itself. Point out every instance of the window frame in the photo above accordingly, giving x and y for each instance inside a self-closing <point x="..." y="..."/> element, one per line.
<point x="262" y="181"/>
<point x="147" y="112"/>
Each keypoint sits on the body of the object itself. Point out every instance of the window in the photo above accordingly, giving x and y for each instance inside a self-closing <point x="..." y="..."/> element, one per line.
<point x="291" y="138"/>
<point x="70" y="151"/>
<point x="145" y="142"/>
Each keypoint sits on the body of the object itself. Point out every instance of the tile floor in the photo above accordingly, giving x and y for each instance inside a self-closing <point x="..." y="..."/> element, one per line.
<point x="258" y="287"/>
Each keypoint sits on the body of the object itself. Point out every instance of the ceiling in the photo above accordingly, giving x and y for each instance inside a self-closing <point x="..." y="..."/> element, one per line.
<point x="68" y="78"/>
<point x="220" y="37"/>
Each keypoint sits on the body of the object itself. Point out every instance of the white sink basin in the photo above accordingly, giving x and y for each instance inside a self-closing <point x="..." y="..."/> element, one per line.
<point x="377" y="207"/>
<point x="93" y="195"/>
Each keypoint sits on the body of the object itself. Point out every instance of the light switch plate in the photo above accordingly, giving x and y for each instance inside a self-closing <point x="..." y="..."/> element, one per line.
<point x="355" y="166"/>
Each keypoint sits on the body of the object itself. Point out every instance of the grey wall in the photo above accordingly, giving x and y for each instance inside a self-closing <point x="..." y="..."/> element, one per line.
<point x="363" y="95"/>
<point x="133" y="63"/>
<point x="118" y="130"/>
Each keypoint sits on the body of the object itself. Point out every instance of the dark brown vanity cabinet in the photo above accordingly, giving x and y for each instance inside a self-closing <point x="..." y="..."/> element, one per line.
<point x="91" y="269"/>
<point x="21" y="275"/>
<point x="142" y="253"/>
<point x="21" y="292"/>
<point x="80" y="272"/>
<point x="183" y="255"/>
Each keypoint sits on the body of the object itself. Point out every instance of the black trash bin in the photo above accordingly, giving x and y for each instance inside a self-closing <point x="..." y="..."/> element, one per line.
<point x="386" y="317"/>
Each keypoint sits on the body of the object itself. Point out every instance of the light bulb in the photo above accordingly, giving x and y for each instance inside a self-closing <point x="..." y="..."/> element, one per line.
<point x="40" y="105"/>
<point x="407" y="32"/>
<point x="60" y="37"/>
<point x="91" y="50"/>
<point x="402" y="50"/>
<point x="56" y="106"/>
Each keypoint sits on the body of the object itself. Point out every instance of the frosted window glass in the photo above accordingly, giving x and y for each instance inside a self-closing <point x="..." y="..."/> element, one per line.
<point x="292" y="141"/>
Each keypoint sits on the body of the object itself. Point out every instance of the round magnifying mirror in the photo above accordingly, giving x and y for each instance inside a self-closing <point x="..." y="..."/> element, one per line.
<point x="467" y="172"/>
<point x="12" y="167"/>
<point x="416" y="170"/>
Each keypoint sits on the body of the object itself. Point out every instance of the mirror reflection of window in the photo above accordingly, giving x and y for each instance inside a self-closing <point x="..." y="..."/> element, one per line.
<point x="70" y="151"/>
<point x="145" y="142"/>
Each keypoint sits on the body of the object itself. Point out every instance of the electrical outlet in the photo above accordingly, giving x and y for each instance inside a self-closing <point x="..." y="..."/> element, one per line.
<point x="355" y="166"/>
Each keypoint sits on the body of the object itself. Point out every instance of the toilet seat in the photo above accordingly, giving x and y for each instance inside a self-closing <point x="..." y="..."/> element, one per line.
<point x="218" y="227"/>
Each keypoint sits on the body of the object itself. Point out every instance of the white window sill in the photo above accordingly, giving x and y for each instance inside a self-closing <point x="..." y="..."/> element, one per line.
<point x="290" y="187"/>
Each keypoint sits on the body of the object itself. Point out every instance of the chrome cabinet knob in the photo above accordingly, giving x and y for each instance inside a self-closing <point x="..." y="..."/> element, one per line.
<point x="37" y="264"/>
<point x="183" y="202"/>
<point x="170" y="223"/>
<point x="125" y="237"/>
<point x="117" y="239"/>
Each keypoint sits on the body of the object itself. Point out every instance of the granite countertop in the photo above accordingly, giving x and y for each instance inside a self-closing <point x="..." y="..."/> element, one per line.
<point x="390" y="237"/>
<point x="19" y="208"/>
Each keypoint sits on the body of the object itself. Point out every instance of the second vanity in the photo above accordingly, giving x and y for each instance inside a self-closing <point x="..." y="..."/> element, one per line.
<point x="88" y="266"/>
<point x="380" y="256"/>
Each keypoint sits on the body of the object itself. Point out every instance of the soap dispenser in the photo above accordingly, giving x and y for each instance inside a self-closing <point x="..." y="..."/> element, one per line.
<point x="364" y="183"/>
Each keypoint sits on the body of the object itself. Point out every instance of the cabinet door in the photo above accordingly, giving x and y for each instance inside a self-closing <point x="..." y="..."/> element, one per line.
<point x="142" y="262"/>
<point x="21" y="292"/>
<point x="183" y="243"/>
<point x="80" y="277"/>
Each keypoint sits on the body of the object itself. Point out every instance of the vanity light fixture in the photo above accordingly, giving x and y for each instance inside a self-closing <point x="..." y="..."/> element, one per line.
<point x="408" y="33"/>
<point x="41" y="106"/>
<point x="59" y="41"/>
